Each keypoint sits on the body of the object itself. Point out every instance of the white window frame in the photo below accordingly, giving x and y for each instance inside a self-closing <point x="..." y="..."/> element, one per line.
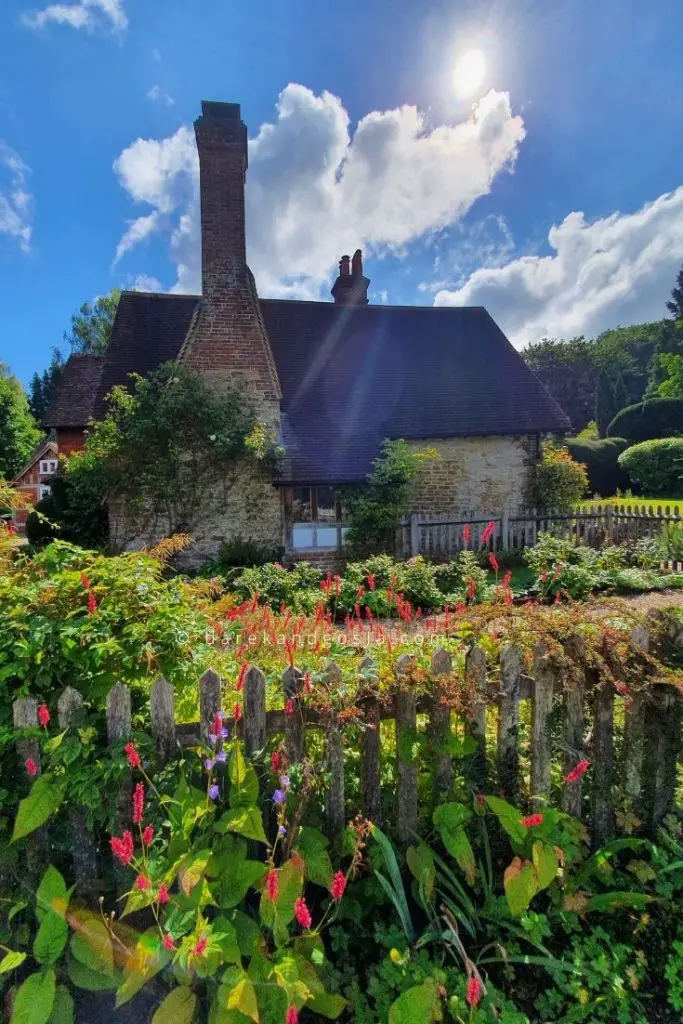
<point x="43" y="491"/>
<point x="48" y="466"/>
<point x="312" y="529"/>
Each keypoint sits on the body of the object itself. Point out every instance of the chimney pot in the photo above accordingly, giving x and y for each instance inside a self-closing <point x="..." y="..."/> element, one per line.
<point x="344" y="266"/>
<point x="351" y="288"/>
<point x="357" y="264"/>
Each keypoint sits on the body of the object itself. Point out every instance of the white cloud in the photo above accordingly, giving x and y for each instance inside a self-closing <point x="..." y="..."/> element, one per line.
<point x="485" y="243"/>
<point x="88" y="14"/>
<point x="315" y="190"/>
<point x="16" y="202"/>
<point x="615" y="270"/>
<point x="159" y="95"/>
<point x="146" y="283"/>
<point x="138" y="230"/>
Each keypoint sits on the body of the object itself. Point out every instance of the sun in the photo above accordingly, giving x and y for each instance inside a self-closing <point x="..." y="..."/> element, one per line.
<point x="469" y="73"/>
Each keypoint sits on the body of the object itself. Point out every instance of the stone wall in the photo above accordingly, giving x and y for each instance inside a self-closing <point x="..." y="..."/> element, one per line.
<point x="476" y="474"/>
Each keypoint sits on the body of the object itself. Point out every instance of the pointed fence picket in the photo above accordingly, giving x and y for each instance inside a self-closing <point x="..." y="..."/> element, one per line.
<point x="572" y="718"/>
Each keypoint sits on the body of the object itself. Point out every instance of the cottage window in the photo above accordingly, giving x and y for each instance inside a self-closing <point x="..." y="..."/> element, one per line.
<point x="316" y="519"/>
<point x="48" y="466"/>
<point x="43" y="491"/>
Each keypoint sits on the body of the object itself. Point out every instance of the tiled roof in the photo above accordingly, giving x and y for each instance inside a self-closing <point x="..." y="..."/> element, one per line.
<point x="353" y="376"/>
<point x="74" y="402"/>
<point x="45" y="449"/>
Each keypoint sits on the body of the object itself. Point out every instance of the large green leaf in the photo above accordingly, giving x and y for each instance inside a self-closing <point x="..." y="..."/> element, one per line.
<point x="545" y="863"/>
<point x="327" y="1004"/>
<point x="609" y="901"/>
<point x="177" y="1007"/>
<point x="509" y="817"/>
<point x="52" y="894"/>
<point x="393" y="886"/>
<point x="82" y="977"/>
<point x="244" y="789"/>
<point x="34" y="999"/>
<point x="11" y="961"/>
<point x="191" y="870"/>
<point x="63" y="1007"/>
<point x="450" y="820"/>
<point x="235" y="882"/>
<point x="521" y="885"/>
<point x="148" y="958"/>
<point x="421" y="862"/>
<point x="245" y="821"/>
<point x="91" y="944"/>
<point x="312" y="845"/>
<point x="50" y="939"/>
<point x="226" y="935"/>
<point x="34" y="810"/>
<point x="237" y="992"/>
<point x="420" y="1004"/>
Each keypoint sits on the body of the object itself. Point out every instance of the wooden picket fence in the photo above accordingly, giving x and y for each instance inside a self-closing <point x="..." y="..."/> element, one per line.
<point x="649" y="741"/>
<point x="439" y="536"/>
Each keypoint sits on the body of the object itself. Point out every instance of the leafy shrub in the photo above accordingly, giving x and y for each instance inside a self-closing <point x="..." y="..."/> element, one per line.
<point x="605" y="475"/>
<point x="240" y="552"/>
<point x="74" y="511"/>
<point x="671" y="542"/>
<point x="656" y="466"/>
<point x="645" y="421"/>
<point x="561" y="482"/>
<point x="297" y="588"/>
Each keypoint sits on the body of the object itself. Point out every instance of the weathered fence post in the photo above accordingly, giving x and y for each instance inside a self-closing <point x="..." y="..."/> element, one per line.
<point x="634" y="733"/>
<point x="602" y="820"/>
<point x="118" y="728"/>
<point x="25" y="715"/>
<point x="508" y="722"/>
<point x="414" y="535"/>
<point x="295" y="735"/>
<point x="574" y="725"/>
<point x="209" y="702"/>
<point x="475" y="672"/>
<point x="440" y="727"/>
<point x="406" y="762"/>
<point x="254" y="723"/>
<point x="371" y="792"/>
<point x="163" y="719"/>
<point x="541" y="754"/>
<point x="662" y="746"/>
<point x="84" y="847"/>
<point x="334" y="764"/>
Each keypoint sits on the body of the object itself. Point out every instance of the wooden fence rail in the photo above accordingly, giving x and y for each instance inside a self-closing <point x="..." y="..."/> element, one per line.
<point x="572" y="717"/>
<point x="438" y="536"/>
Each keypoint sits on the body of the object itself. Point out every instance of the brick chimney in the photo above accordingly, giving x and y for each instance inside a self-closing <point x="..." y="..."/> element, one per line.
<point x="351" y="288"/>
<point x="228" y="341"/>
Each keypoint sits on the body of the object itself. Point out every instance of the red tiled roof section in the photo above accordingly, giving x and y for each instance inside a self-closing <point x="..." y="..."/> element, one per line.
<point x="74" y="402"/>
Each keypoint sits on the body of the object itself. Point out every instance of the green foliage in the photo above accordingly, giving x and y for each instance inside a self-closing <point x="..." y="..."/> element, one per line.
<point x="19" y="433"/>
<point x="75" y="510"/>
<point x="589" y="433"/>
<point x="240" y="552"/>
<point x="656" y="466"/>
<point x="675" y="304"/>
<point x="600" y="457"/>
<point x="375" y="510"/>
<point x="653" y="418"/>
<point x="560" y="482"/>
<point x="671" y="367"/>
<point x="673" y="972"/>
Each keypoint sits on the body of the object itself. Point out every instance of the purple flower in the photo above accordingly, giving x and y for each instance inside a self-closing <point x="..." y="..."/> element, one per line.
<point x="279" y="797"/>
<point x="224" y="734"/>
<point x="213" y="740"/>
<point x="284" y="782"/>
<point x="213" y="792"/>
<point x="209" y="764"/>
<point x="222" y="757"/>
<point x="282" y="831"/>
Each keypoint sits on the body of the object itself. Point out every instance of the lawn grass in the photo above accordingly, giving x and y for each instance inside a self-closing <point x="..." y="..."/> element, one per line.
<point x="657" y="503"/>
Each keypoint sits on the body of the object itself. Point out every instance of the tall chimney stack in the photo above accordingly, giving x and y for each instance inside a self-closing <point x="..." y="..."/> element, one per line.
<point x="351" y="288"/>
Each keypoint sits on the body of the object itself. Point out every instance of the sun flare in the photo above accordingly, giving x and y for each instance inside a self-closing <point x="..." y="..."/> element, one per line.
<point x="469" y="73"/>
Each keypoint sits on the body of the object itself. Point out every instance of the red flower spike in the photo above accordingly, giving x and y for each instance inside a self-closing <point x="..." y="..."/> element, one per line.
<point x="289" y="706"/>
<point x="473" y="991"/>
<point x="471" y="589"/>
<point x="302" y="913"/>
<point x="31" y="766"/>
<point x="272" y="885"/>
<point x="85" y="582"/>
<point x="372" y="582"/>
<point x="338" y="886"/>
<point x="217" y="724"/>
<point x="488" y="531"/>
<point x="241" y="677"/>
<point x="276" y="762"/>
<point x="92" y="603"/>
<point x="138" y="803"/>
<point x="292" y="1015"/>
<point x="308" y="687"/>
<point x="142" y="882"/>
<point x="578" y="772"/>
<point x="493" y="562"/>
<point x="532" y="820"/>
<point x="44" y="716"/>
<point x="123" y="848"/>
<point x="466" y="535"/>
<point x="168" y="943"/>
<point x="147" y="835"/>
<point x="200" y="946"/>
<point x="132" y="755"/>
<point x="237" y="712"/>
<point x="162" y="895"/>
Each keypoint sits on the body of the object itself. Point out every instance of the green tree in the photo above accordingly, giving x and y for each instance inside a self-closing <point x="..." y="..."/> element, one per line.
<point x="675" y="305"/>
<point x="19" y="433"/>
<point x="43" y="386"/>
<point x="672" y="385"/>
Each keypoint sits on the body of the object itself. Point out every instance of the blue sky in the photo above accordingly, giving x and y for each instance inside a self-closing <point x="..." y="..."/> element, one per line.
<point x="556" y="201"/>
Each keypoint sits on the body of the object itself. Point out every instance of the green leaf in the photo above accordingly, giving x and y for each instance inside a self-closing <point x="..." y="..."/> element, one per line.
<point x="311" y="844"/>
<point x="521" y="885"/>
<point x="327" y="1004"/>
<point x="16" y="909"/>
<point x="455" y="746"/>
<point x="34" y="810"/>
<point x="11" y="961"/>
<point x="148" y="958"/>
<point x="394" y="888"/>
<point x="609" y="901"/>
<point x="55" y="742"/>
<point x="509" y="818"/>
<point x="247" y="931"/>
<point x="545" y="863"/>
<point x="92" y="945"/>
<point x="226" y="935"/>
<point x="52" y="894"/>
<point x="50" y="939"/>
<point x="82" y="977"/>
<point x="245" y="821"/>
<point x="421" y="863"/>
<point x="237" y="992"/>
<point x="63" y="1007"/>
<point x="421" y="1003"/>
<point x="235" y="882"/>
<point x="244" y="787"/>
<point x="450" y="820"/>
<point x="191" y="870"/>
<point x="177" y="1007"/>
<point x="34" y="999"/>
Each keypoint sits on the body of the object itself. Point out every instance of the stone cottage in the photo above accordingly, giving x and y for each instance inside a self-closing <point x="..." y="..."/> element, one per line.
<point x="330" y="379"/>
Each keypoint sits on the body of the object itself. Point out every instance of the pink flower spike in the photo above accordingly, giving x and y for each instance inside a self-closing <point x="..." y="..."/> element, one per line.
<point x="289" y="706"/>
<point x="292" y="1015"/>
<point x="578" y="772"/>
<point x="473" y="991"/>
<point x="162" y="895"/>
<point x="302" y="913"/>
<point x="338" y="886"/>
<point x="132" y="755"/>
<point x="142" y="882"/>
<point x="44" y="716"/>
<point x="147" y="835"/>
<point x="532" y="820"/>
<point x="31" y="766"/>
<point x="200" y="946"/>
<point x="168" y="943"/>
<point x="138" y="803"/>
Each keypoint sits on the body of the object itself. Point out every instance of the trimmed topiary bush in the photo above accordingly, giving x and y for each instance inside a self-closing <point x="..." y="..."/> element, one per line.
<point x="656" y="466"/>
<point x="561" y="482"/>
<point x="656" y="418"/>
<point x="601" y="459"/>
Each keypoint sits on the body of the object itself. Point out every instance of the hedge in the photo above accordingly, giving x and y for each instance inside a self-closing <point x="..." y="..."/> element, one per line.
<point x="605" y="475"/>
<point x="657" y="417"/>
<point x="656" y="465"/>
